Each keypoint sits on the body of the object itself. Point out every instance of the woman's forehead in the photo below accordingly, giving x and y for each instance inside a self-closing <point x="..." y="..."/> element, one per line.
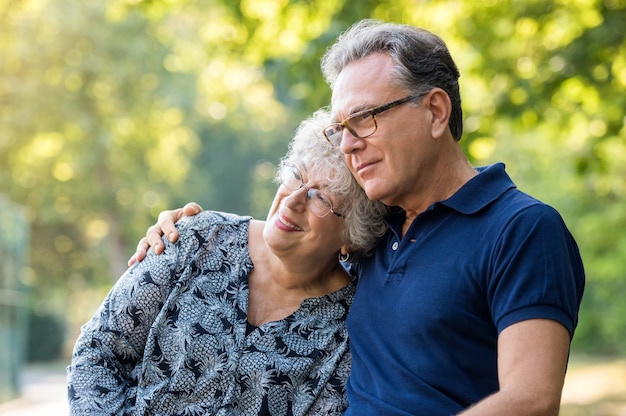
<point x="314" y="172"/>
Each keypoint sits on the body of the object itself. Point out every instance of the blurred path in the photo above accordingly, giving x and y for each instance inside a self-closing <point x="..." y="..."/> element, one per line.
<point x="592" y="388"/>
<point x="43" y="392"/>
<point x="595" y="388"/>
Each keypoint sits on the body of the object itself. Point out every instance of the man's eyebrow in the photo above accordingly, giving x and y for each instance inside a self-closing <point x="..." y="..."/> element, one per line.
<point x="354" y="110"/>
<point x="362" y="107"/>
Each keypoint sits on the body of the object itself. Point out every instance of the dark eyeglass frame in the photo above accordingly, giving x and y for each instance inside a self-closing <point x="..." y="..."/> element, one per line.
<point x="336" y="128"/>
<point x="309" y="191"/>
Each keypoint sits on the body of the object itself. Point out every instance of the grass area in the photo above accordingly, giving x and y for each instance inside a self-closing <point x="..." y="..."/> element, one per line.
<point x="595" y="387"/>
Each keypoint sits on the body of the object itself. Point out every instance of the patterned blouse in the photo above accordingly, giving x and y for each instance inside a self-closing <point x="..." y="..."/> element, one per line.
<point x="171" y="338"/>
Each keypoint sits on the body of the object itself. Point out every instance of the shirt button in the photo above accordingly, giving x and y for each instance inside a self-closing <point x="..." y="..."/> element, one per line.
<point x="394" y="246"/>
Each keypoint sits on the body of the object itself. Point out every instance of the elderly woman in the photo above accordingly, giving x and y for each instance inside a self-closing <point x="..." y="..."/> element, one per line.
<point x="239" y="316"/>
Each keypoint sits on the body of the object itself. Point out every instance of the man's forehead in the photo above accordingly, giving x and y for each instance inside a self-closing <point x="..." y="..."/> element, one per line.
<point x="351" y="99"/>
<point x="362" y="84"/>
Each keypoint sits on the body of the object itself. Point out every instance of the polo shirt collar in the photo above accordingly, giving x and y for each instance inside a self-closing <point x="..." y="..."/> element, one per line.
<point x="491" y="182"/>
<point x="480" y="191"/>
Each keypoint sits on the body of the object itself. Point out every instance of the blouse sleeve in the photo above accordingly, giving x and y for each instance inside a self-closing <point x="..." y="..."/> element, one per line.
<point x="102" y="376"/>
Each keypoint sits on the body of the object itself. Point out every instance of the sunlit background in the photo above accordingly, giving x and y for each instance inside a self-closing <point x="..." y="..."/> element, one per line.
<point x="111" y="111"/>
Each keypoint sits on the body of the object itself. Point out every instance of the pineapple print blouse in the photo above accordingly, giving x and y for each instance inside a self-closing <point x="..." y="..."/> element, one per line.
<point x="171" y="338"/>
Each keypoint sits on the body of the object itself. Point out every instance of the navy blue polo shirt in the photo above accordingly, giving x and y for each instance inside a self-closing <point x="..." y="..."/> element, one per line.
<point x="429" y="307"/>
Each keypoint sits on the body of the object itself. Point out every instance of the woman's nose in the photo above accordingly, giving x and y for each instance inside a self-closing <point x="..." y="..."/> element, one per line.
<point x="297" y="200"/>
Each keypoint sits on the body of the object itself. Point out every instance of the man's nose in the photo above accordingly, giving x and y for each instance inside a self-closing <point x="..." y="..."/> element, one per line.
<point x="349" y="142"/>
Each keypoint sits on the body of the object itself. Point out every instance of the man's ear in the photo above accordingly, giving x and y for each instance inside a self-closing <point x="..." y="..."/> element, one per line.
<point x="440" y="107"/>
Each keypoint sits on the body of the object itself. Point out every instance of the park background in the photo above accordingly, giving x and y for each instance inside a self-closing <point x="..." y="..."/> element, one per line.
<point x="113" y="111"/>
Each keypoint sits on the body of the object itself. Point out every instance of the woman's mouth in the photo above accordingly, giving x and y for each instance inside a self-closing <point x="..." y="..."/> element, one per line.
<point x="280" y="220"/>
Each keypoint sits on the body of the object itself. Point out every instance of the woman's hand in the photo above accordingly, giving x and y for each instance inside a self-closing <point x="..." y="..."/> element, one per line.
<point x="164" y="226"/>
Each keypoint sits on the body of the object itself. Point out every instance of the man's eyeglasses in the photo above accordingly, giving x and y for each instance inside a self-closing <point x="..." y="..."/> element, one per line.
<point x="318" y="203"/>
<point x="362" y="124"/>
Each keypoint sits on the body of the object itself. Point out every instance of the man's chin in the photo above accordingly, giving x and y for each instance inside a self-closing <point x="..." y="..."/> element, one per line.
<point x="373" y="192"/>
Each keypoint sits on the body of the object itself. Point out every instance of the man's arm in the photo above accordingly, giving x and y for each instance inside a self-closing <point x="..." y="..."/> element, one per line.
<point x="164" y="226"/>
<point x="532" y="359"/>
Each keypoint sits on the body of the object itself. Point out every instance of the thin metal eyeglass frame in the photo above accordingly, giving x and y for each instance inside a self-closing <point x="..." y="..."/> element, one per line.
<point x="373" y="112"/>
<point x="308" y="190"/>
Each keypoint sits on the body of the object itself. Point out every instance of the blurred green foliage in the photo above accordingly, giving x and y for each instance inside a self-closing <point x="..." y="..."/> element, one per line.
<point x="113" y="111"/>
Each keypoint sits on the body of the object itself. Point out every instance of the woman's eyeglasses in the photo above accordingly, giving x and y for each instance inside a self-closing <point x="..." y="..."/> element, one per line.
<point x="317" y="201"/>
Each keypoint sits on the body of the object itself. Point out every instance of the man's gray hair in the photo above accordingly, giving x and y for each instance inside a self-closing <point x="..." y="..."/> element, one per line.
<point x="422" y="60"/>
